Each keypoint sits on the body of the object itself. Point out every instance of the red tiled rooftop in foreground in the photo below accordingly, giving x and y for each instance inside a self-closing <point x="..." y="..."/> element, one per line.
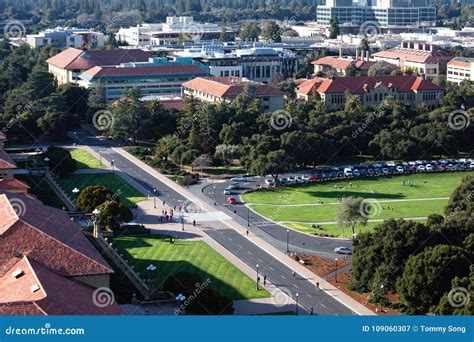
<point x="29" y="288"/>
<point x="6" y="162"/>
<point x="75" y="59"/>
<point x="229" y="86"/>
<point x="12" y="185"/>
<point x="3" y="137"/>
<point x="46" y="235"/>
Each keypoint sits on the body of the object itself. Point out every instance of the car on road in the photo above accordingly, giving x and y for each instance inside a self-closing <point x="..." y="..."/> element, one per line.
<point x="227" y="191"/>
<point x="231" y="200"/>
<point x="343" y="250"/>
<point x="269" y="182"/>
<point x="238" y="179"/>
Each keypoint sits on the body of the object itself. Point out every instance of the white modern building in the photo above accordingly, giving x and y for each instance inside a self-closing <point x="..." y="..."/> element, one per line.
<point x="460" y="69"/>
<point x="66" y="37"/>
<point x="260" y="64"/>
<point x="175" y="30"/>
<point x="381" y="14"/>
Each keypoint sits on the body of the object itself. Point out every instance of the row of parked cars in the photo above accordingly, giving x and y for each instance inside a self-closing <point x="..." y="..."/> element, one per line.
<point x="377" y="169"/>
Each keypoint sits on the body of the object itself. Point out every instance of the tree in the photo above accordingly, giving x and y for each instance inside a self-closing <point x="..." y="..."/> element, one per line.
<point x="334" y="30"/>
<point x="250" y="31"/>
<point x="130" y="116"/>
<point x="166" y="146"/>
<point x="350" y="212"/>
<point x="461" y="295"/>
<point x="223" y="36"/>
<point x="351" y="70"/>
<point x="427" y="276"/>
<point x="93" y="196"/>
<point x="364" y="45"/>
<point x="272" y="32"/>
<point x="462" y="199"/>
<point x="379" y="69"/>
<point x="112" y="214"/>
<point x="60" y="161"/>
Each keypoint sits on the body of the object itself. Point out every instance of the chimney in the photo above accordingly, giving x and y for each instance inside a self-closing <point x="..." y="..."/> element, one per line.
<point x="340" y="51"/>
<point x="367" y="54"/>
<point x="357" y="55"/>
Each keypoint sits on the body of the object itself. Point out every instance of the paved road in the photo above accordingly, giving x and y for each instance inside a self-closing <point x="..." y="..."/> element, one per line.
<point x="277" y="235"/>
<point x="276" y="271"/>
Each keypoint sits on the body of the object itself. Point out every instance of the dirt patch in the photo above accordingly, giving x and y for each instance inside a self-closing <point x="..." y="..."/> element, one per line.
<point x="345" y="278"/>
<point x="322" y="266"/>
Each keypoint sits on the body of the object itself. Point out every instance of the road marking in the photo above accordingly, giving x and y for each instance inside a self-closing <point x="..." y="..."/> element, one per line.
<point x="296" y="286"/>
<point x="230" y="239"/>
<point x="271" y="268"/>
<point x="324" y="306"/>
<point x="283" y="277"/>
<point x="309" y="295"/>
<point x="240" y="246"/>
<point x="260" y="260"/>
<point x="250" y="253"/>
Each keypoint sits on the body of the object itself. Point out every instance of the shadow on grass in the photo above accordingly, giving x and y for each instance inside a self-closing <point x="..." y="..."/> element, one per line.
<point x="345" y="193"/>
<point x="166" y="268"/>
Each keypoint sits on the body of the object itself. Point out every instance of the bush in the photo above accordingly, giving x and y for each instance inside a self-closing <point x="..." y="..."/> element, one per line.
<point x="189" y="179"/>
<point x="60" y="161"/>
<point x="112" y="214"/>
<point x="93" y="196"/>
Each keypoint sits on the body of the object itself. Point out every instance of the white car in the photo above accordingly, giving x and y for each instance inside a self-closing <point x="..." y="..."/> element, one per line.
<point x="471" y="166"/>
<point x="412" y="163"/>
<point x="348" y="172"/>
<point x="343" y="250"/>
<point x="291" y="179"/>
<point x="269" y="181"/>
<point x="429" y="167"/>
<point x="227" y="192"/>
<point x="420" y="168"/>
<point x="391" y="164"/>
<point x="400" y="169"/>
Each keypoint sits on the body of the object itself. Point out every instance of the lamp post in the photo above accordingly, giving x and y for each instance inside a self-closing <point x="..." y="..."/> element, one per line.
<point x="151" y="269"/>
<point x="182" y="222"/>
<point x="154" y="197"/>
<point x="287" y="241"/>
<point x="336" y="271"/>
<point x="380" y="301"/>
<point x="258" y="279"/>
<point x="112" y="163"/>
<point x="297" y="303"/>
<point x="248" y="217"/>
<point x="214" y="194"/>
<point x="96" y="231"/>
<point x="46" y="160"/>
<point x="100" y="157"/>
<point x="180" y="298"/>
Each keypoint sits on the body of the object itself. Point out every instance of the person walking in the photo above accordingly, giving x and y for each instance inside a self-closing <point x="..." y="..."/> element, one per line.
<point x="294" y="274"/>
<point x="194" y="223"/>
<point x="265" y="280"/>
<point x="247" y="232"/>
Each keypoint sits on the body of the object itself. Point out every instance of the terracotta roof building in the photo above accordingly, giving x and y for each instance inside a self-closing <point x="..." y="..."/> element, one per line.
<point x="425" y="59"/>
<point x="460" y="69"/>
<point x="371" y="90"/>
<point x="158" y="76"/>
<point x="219" y="89"/>
<point x="340" y="65"/>
<point x="44" y="257"/>
<point x="68" y="64"/>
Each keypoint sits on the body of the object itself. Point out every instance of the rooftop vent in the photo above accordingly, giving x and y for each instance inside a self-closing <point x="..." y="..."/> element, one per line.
<point x="34" y="288"/>
<point x="17" y="273"/>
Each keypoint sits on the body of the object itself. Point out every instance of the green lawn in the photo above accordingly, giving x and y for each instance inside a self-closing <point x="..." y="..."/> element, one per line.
<point x="392" y="200"/>
<point x="128" y="194"/>
<point x="190" y="256"/>
<point x="85" y="160"/>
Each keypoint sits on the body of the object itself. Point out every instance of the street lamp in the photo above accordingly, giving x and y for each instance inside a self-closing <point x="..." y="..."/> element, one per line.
<point x="380" y="300"/>
<point x="297" y="303"/>
<point x="96" y="232"/>
<point x="214" y="194"/>
<point x="287" y="241"/>
<point x="182" y="222"/>
<point x="258" y="279"/>
<point x="46" y="160"/>
<point x="336" y="271"/>
<point x="248" y="217"/>
<point x="112" y="163"/>
<point x="154" y="197"/>
<point x="100" y="157"/>
<point x="150" y="268"/>
<point x="75" y="191"/>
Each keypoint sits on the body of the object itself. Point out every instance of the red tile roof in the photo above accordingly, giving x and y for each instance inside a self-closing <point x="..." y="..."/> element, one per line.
<point x="36" y="290"/>
<point x="334" y="62"/>
<point x="462" y="62"/>
<point x="308" y="86"/>
<point x="3" y="137"/>
<point x="229" y="86"/>
<point x="75" y="59"/>
<point x="360" y="84"/>
<point x="12" y="184"/>
<point x="183" y="69"/>
<point x="6" y="162"/>
<point x="173" y="104"/>
<point x="415" y="55"/>
<point x="46" y="235"/>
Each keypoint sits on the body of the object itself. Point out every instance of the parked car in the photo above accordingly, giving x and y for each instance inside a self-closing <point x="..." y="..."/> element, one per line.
<point x="343" y="250"/>
<point x="312" y="177"/>
<point x="390" y="163"/>
<point x="231" y="200"/>
<point x="400" y="169"/>
<point x="348" y="172"/>
<point x="420" y="168"/>
<point x="429" y="167"/>
<point x="269" y="182"/>
<point x="227" y="191"/>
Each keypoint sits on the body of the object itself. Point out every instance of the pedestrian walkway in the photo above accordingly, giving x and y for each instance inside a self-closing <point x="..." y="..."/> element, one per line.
<point x="278" y="255"/>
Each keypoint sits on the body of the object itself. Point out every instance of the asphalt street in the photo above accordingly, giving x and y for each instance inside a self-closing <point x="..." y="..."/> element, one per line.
<point x="276" y="271"/>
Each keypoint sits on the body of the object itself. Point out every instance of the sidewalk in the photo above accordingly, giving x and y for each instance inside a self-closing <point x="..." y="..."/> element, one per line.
<point x="289" y="262"/>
